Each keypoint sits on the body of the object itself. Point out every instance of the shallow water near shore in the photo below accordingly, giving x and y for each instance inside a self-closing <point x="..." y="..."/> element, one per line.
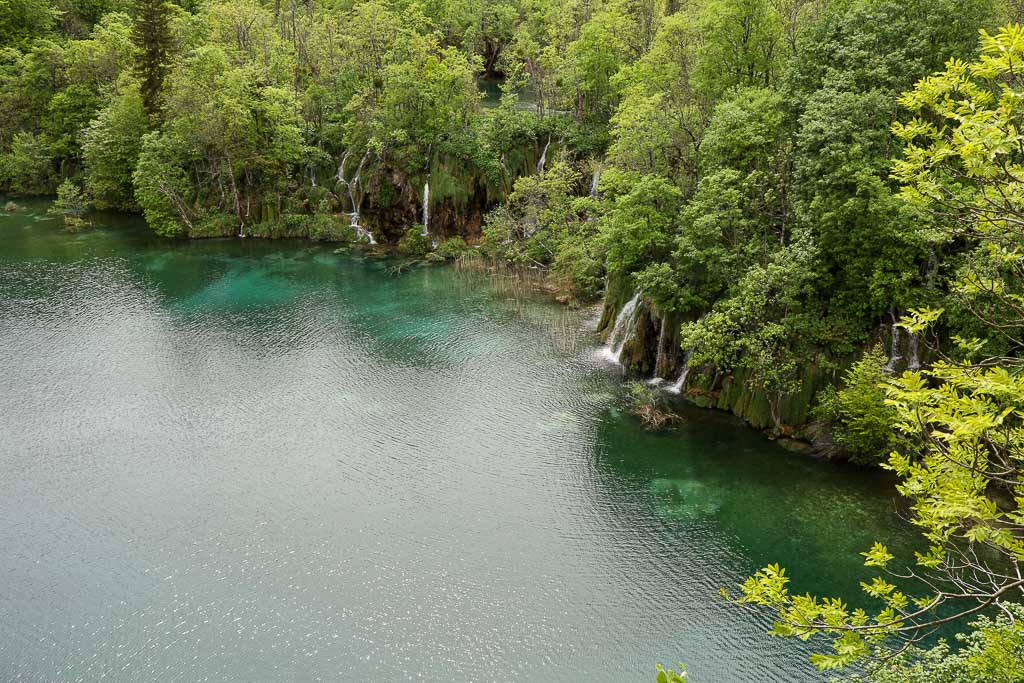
<point x="243" y="460"/>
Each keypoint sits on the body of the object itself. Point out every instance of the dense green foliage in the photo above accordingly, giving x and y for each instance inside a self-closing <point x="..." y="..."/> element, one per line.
<point x="862" y="422"/>
<point x="993" y="652"/>
<point x="962" y="463"/>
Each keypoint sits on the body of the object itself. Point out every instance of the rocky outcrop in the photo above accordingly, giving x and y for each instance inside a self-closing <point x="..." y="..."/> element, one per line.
<point x="653" y="349"/>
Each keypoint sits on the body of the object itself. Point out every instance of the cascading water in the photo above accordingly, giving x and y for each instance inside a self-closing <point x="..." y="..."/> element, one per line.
<point x="426" y="208"/>
<point x="624" y="327"/>
<point x="681" y="382"/>
<point x="426" y="194"/>
<point x="913" y="342"/>
<point x="364" y="234"/>
<point x="656" y="379"/>
<point x="594" y="181"/>
<point x="659" y="359"/>
<point x="351" y="186"/>
<point x="543" y="158"/>
<point x="894" y="353"/>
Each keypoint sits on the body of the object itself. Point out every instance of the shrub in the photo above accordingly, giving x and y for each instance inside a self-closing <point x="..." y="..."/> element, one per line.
<point x="452" y="248"/>
<point x="414" y="243"/>
<point x="861" y="421"/>
<point x="648" y="404"/>
<point x="214" y="224"/>
<point x="327" y="228"/>
<point x="72" y="205"/>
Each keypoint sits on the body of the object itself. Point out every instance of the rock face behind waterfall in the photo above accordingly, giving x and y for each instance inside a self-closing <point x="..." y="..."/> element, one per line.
<point x="394" y="202"/>
<point x="639" y="352"/>
<point x="461" y="194"/>
<point x="905" y="350"/>
<point x="733" y="391"/>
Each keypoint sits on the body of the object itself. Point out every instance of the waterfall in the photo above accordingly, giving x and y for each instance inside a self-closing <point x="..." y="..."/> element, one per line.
<point x="915" y="358"/>
<point x="353" y="215"/>
<point x="681" y="382"/>
<point x="426" y="208"/>
<point x="624" y="325"/>
<point x="364" y="233"/>
<point x="543" y="158"/>
<point x="426" y="193"/>
<point x="661" y="349"/>
<point x="594" y="182"/>
<point x="241" y="229"/>
<point x="341" y="168"/>
<point x="894" y="353"/>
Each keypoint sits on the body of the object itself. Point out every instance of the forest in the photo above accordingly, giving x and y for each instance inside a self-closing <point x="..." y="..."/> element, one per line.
<point x="807" y="212"/>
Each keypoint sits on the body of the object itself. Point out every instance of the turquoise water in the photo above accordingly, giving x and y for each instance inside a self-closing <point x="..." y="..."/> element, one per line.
<point x="244" y="460"/>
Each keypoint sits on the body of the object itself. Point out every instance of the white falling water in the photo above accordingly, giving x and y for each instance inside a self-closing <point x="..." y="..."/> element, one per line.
<point x="426" y="208"/>
<point x="681" y="382"/>
<point x="661" y="349"/>
<point x="341" y="168"/>
<point x="594" y="180"/>
<point x="543" y="158"/>
<point x="350" y="187"/>
<point x="363" y="233"/>
<point x="913" y="342"/>
<point x="624" y="325"/>
<point x="894" y="354"/>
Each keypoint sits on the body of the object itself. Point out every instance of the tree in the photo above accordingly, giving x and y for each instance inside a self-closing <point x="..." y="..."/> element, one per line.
<point x="962" y="467"/>
<point x="110" y="148"/>
<point x="862" y="422"/>
<point x="151" y="35"/>
<point x="763" y="326"/>
<point x="21" y="20"/>
<point x="844" y="87"/>
<point x="71" y="204"/>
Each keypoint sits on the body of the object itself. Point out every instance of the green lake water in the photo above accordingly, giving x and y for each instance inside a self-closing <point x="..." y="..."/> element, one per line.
<point x="243" y="460"/>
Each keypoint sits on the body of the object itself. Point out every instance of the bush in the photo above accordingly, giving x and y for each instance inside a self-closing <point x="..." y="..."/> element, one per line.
<point x="215" y="224"/>
<point x="414" y="243"/>
<point x="72" y="205"/>
<point x="452" y="248"/>
<point x="861" y="421"/>
<point x="648" y="404"/>
<point x="327" y="228"/>
<point x="578" y="270"/>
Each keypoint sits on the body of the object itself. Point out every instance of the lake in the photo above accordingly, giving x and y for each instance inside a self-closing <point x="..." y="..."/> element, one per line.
<point x="244" y="460"/>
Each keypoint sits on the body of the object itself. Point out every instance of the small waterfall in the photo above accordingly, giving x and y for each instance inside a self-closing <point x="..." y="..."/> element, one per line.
<point x="426" y="208"/>
<point x="341" y="168"/>
<point x="624" y="325"/>
<point x="681" y="382"/>
<point x="543" y="158"/>
<point x="894" y="353"/>
<point x="594" y="180"/>
<point x="913" y="342"/>
<point x="351" y="186"/>
<point x="353" y="215"/>
<point x="364" y="233"/>
<point x="241" y="229"/>
<point x="426" y="193"/>
<point x="661" y="349"/>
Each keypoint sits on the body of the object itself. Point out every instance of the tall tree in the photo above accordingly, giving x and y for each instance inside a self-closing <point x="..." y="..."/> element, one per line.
<point x="151" y="36"/>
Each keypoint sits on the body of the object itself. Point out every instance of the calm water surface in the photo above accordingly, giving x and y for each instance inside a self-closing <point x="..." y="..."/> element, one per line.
<point x="245" y="461"/>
